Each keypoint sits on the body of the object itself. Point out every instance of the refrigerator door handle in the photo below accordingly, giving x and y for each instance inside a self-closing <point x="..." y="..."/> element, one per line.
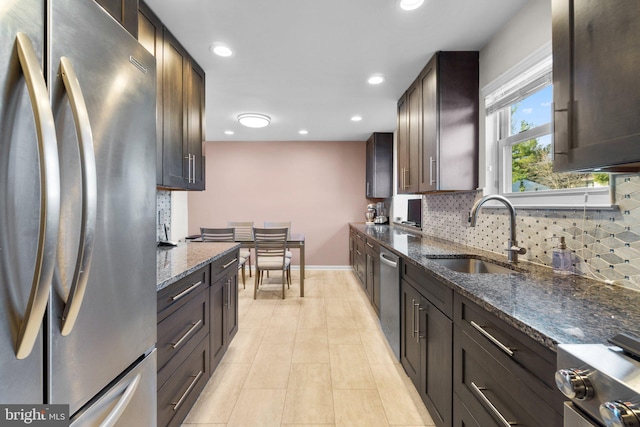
<point x="49" y="197"/>
<point x="111" y="419"/>
<point x="89" y="195"/>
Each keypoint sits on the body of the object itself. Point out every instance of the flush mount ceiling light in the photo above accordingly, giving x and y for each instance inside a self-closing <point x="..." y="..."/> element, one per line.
<point x="356" y="118"/>
<point x="410" y="4"/>
<point x="221" y="49"/>
<point x="254" y="120"/>
<point x="303" y="132"/>
<point x="228" y="132"/>
<point x="375" y="79"/>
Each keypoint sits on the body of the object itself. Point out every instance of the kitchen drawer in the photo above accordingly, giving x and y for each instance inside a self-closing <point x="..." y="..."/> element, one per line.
<point x="174" y="296"/>
<point x="179" y="393"/>
<point x="438" y="294"/>
<point x="179" y="332"/>
<point x="221" y="266"/>
<point x="463" y="417"/>
<point x="482" y="381"/>
<point x="531" y="361"/>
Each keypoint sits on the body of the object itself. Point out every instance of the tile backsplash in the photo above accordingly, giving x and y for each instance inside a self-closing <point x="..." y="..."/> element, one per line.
<point x="163" y="212"/>
<point x="605" y="244"/>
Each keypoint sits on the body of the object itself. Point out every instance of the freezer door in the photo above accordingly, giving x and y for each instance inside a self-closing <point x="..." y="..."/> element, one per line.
<point x="130" y="401"/>
<point x="103" y="301"/>
<point x="21" y="208"/>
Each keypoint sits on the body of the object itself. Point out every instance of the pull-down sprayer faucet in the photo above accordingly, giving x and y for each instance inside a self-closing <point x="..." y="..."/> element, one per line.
<point x="512" y="245"/>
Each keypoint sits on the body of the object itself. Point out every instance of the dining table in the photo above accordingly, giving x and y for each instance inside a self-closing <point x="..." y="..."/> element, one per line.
<point x="294" y="241"/>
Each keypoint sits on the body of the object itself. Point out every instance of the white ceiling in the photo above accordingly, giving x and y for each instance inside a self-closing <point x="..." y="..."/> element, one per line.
<point x="305" y="63"/>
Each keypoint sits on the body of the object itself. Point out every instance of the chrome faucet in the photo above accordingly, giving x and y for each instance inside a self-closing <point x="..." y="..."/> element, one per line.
<point x="512" y="245"/>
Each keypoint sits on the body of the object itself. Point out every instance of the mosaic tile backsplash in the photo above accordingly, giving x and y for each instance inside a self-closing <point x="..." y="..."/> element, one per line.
<point x="605" y="244"/>
<point x="163" y="212"/>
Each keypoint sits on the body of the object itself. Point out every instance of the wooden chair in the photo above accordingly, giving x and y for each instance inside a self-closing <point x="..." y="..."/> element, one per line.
<point x="270" y="249"/>
<point x="225" y="235"/>
<point x="244" y="233"/>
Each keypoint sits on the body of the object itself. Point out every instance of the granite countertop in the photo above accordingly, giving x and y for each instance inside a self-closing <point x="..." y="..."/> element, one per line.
<point x="174" y="263"/>
<point x="550" y="308"/>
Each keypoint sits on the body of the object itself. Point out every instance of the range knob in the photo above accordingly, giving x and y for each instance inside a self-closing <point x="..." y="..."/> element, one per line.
<point x="574" y="384"/>
<point x="620" y="414"/>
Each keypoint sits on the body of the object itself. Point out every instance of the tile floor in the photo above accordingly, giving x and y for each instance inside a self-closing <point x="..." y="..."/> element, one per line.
<point x="317" y="360"/>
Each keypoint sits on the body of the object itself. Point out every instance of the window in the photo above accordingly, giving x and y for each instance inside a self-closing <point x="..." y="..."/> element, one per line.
<point x="520" y="142"/>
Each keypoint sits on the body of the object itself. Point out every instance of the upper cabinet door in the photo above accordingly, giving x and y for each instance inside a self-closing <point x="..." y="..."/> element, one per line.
<point x="403" y="141"/>
<point x="596" y="62"/>
<point x="195" y="126"/>
<point x="379" y="165"/>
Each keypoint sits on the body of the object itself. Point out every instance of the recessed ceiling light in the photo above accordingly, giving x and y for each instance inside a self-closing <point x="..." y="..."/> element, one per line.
<point x="221" y="49"/>
<point x="254" y="120"/>
<point x="303" y="132"/>
<point x="410" y="4"/>
<point x="375" y="80"/>
<point x="356" y="118"/>
<point x="228" y="132"/>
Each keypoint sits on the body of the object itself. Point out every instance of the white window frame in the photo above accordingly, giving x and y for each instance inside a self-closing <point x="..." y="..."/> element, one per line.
<point x="497" y="175"/>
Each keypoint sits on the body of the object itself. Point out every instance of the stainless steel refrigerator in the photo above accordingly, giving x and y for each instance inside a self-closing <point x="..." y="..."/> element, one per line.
<point x="77" y="213"/>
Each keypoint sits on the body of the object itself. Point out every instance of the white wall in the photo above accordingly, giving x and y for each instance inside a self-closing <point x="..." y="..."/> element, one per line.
<point x="179" y="215"/>
<point x="526" y="32"/>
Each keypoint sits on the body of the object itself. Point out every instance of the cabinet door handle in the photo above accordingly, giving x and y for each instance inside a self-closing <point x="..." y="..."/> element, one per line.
<point x="229" y="293"/>
<point x="186" y="291"/>
<point x="416" y="321"/>
<point x="432" y="181"/>
<point x="193" y="327"/>
<point x="504" y="348"/>
<point x="370" y="245"/>
<point x="229" y="263"/>
<point x="187" y="391"/>
<point x="478" y="391"/>
<point x="194" y="168"/>
<point x="368" y="189"/>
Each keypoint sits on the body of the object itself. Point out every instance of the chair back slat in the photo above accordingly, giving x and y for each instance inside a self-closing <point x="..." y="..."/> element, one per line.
<point x="270" y="244"/>
<point x="244" y="230"/>
<point x="217" y="234"/>
<point x="279" y="224"/>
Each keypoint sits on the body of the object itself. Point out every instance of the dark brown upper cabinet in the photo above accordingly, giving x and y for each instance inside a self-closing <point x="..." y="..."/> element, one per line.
<point x="180" y="107"/>
<point x="438" y="126"/>
<point x="379" y="166"/>
<point x="123" y="11"/>
<point x="596" y="90"/>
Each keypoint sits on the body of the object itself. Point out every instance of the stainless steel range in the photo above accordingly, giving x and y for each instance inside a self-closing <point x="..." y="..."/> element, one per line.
<point x="602" y="383"/>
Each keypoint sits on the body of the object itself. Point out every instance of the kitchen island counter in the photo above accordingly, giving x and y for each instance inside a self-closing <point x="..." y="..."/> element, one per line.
<point x="550" y="308"/>
<point x="174" y="263"/>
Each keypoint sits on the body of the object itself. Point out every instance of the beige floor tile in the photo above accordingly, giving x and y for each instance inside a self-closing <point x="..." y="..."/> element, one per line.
<point x="280" y="330"/>
<point x="309" y="395"/>
<point x="313" y="315"/>
<point x="355" y="408"/>
<point x="288" y="308"/>
<point x="376" y="347"/>
<point x="217" y="400"/>
<point x="344" y="336"/>
<point x="271" y="367"/>
<point x="396" y="400"/>
<point x="244" y="346"/>
<point x="311" y="346"/>
<point x="258" y="407"/>
<point x="350" y="368"/>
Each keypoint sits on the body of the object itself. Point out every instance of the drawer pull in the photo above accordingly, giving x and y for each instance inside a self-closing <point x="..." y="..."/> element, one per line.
<point x="186" y="291"/>
<point x="493" y="339"/>
<point x="193" y="327"/>
<point x="370" y="245"/>
<point x="186" y="393"/>
<point x="229" y="263"/>
<point x="478" y="391"/>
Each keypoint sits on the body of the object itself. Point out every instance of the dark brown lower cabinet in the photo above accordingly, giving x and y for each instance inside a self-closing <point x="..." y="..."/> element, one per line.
<point x="197" y="319"/>
<point x="462" y="416"/>
<point x="501" y="373"/>
<point x="426" y="341"/>
<point x="224" y="308"/>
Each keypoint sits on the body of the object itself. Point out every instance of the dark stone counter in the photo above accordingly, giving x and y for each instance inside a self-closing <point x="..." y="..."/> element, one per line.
<point x="174" y="263"/>
<point x="550" y="308"/>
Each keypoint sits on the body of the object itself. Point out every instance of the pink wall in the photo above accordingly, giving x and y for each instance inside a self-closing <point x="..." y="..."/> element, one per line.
<point x="319" y="186"/>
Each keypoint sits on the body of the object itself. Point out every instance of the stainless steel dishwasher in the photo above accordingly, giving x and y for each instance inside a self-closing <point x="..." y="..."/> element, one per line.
<point x="390" y="298"/>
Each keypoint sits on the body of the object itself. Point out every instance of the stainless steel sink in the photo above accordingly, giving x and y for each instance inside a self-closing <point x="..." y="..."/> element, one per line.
<point x="472" y="265"/>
